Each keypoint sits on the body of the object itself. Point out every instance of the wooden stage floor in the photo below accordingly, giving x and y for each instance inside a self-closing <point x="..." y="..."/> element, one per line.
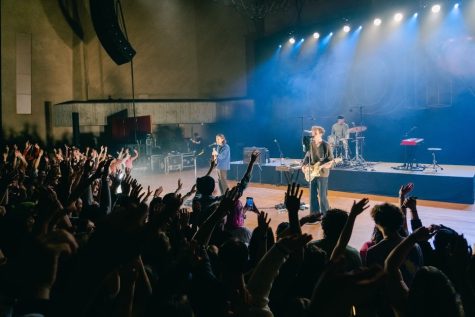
<point x="460" y="217"/>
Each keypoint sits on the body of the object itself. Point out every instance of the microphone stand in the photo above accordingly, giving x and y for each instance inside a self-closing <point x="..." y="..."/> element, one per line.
<point x="280" y="152"/>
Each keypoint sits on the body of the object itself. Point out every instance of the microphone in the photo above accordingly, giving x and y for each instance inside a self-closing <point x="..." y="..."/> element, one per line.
<point x="212" y="144"/>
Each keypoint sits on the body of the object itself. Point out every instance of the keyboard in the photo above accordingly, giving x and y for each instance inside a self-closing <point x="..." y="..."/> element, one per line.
<point x="411" y="141"/>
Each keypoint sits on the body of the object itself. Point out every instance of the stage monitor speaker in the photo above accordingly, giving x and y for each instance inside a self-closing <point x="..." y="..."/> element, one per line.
<point x="76" y="133"/>
<point x="158" y="163"/>
<point x="263" y="158"/>
<point x="174" y="162"/>
<point x="189" y="160"/>
<point x="109" y="33"/>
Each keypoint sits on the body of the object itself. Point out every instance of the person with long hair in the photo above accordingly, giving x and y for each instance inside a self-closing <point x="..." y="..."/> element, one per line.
<point x="222" y="155"/>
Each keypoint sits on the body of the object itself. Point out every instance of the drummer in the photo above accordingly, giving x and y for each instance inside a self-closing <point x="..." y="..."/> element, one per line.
<point x="340" y="133"/>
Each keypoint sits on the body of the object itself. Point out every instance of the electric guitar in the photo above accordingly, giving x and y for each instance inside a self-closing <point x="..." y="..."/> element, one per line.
<point x="311" y="171"/>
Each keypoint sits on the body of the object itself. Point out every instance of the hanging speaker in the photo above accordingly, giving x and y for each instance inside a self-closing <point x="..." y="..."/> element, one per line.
<point x="109" y="33"/>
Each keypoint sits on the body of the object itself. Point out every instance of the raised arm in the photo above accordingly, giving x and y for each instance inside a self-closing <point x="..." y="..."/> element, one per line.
<point x="203" y="234"/>
<point x="260" y="283"/>
<point x="358" y="208"/>
<point x="397" y="289"/>
<point x="403" y="191"/>
<point x="212" y="165"/>
<point x="292" y="203"/>
<point x="247" y="176"/>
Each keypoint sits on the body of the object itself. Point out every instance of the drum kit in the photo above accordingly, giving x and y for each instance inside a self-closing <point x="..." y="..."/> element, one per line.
<point x="341" y="147"/>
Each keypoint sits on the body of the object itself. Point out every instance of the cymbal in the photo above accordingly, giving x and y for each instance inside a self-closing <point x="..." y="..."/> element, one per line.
<point x="357" y="129"/>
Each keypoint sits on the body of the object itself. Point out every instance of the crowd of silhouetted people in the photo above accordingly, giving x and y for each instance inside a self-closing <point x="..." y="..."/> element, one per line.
<point x="79" y="236"/>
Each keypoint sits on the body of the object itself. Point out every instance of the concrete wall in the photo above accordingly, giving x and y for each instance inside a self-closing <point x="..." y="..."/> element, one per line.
<point x="185" y="49"/>
<point x="51" y="61"/>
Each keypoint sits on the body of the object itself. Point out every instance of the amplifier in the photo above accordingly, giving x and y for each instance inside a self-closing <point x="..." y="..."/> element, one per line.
<point x="263" y="158"/>
<point x="174" y="162"/>
<point x="158" y="163"/>
<point x="188" y="160"/>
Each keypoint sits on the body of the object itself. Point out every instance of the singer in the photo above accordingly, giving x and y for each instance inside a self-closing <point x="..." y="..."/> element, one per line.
<point x="319" y="156"/>
<point x="222" y="156"/>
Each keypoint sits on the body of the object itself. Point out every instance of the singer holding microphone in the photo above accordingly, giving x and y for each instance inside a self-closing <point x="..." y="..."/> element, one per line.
<point x="222" y="156"/>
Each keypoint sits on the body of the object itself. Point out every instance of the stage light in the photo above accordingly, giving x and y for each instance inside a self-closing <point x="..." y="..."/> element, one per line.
<point x="415" y="15"/>
<point x="398" y="17"/>
<point x="292" y="40"/>
<point x="360" y="28"/>
<point x="456" y="6"/>
<point x="435" y="8"/>
<point x="316" y="35"/>
<point x="346" y="29"/>
<point x="280" y="45"/>
<point x="377" y="22"/>
<point x="302" y="40"/>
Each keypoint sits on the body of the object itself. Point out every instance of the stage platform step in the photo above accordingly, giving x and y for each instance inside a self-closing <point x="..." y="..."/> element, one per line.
<point x="455" y="183"/>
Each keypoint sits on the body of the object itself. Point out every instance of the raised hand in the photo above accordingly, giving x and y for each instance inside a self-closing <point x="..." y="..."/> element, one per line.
<point x="180" y="186"/>
<point x="158" y="191"/>
<point x="190" y="193"/>
<point x="262" y="222"/>
<point x="254" y="155"/>
<point x="126" y="185"/>
<point x="147" y="195"/>
<point x="99" y="169"/>
<point x="410" y="203"/>
<point x="229" y="198"/>
<point x="136" y="193"/>
<point x="292" y="197"/>
<point x="405" y="189"/>
<point x="424" y="233"/>
<point x="359" y="207"/>
<point x="293" y="243"/>
<point x="184" y="217"/>
<point x="45" y="253"/>
<point x="213" y="163"/>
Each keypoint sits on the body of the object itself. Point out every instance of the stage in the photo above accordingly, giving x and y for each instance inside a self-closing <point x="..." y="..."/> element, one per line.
<point x="460" y="217"/>
<point x="454" y="184"/>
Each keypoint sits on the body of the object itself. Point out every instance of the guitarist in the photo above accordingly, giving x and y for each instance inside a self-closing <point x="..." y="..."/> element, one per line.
<point x="319" y="156"/>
